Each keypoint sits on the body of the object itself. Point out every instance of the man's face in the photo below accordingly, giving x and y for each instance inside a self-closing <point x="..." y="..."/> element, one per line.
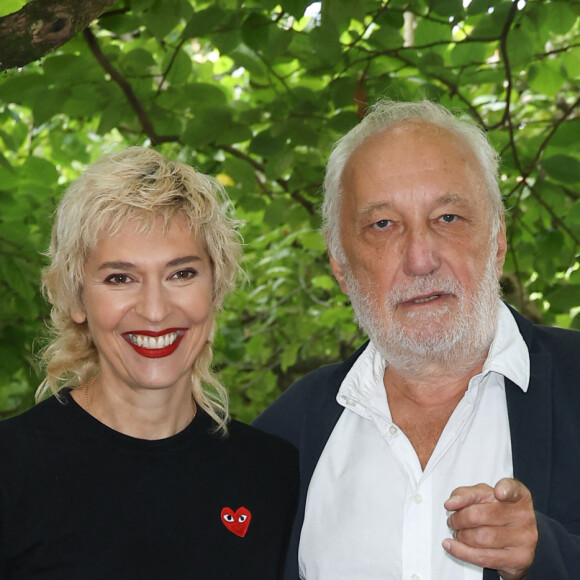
<point x="421" y="267"/>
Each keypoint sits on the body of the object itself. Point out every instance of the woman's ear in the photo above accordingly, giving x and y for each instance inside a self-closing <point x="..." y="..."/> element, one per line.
<point x="78" y="314"/>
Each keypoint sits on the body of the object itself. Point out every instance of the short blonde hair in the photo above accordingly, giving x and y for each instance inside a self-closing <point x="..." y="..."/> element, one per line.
<point x="135" y="184"/>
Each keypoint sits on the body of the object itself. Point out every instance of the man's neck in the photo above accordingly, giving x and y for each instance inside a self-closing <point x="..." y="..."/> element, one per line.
<point x="422" y="406"/>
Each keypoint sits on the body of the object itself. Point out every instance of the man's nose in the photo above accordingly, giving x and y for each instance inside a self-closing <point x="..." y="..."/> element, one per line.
<point x="421" y="256"/>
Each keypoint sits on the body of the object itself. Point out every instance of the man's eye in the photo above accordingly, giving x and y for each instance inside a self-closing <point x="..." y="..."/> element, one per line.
<point x="117" y="279"/>
<point x="448" y="218"/>
<point x="185" y="274"/>
<point x="382" y="224"/>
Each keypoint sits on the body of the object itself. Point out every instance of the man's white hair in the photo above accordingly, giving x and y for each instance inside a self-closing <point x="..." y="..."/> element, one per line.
<point x="382" y="115"/>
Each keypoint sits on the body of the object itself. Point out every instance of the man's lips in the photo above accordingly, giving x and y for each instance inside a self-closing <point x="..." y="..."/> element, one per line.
<point x="155" y="344"/>
<point x="425" y="298"/>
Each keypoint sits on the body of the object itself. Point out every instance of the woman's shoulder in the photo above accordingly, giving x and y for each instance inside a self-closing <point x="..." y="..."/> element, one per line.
<point x="257" y="448"/>
<point x="244" y="434"/>
<point x="21" y="433"/>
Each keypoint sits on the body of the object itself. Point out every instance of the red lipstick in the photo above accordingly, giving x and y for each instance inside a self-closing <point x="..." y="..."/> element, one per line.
<point x="155" y="352"/>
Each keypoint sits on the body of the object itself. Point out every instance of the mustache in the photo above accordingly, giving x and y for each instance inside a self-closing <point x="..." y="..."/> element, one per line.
<point x="422" y="287"/>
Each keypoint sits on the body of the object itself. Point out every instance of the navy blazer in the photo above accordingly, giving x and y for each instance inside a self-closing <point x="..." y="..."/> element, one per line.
<point x="545" y="437"/>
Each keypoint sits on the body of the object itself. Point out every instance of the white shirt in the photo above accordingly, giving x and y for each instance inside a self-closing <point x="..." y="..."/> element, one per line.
<point x="371" y="512"/>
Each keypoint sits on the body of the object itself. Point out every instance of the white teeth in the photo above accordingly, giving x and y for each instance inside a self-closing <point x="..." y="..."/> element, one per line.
<point x="428" y="299"/>
<point x="153" y="342"/>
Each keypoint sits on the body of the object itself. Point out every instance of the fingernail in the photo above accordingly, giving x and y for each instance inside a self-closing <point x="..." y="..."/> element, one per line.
<point x="446" y="545"/>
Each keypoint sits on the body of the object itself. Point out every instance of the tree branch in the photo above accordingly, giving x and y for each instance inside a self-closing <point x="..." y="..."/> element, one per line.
<point x="40" y="27"/>
<point x="127" y="89"/>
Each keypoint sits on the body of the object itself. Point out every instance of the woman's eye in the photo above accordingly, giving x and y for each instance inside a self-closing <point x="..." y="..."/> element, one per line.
<point x="185" y="274"/>
<point x="382" y="224"/>
<point x="117" y="279"/>
<point x="448" y="218"/>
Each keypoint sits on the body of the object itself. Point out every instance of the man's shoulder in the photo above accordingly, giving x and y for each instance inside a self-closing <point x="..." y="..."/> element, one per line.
<point x="561" y="342"/>
<point x="315" y="391"/>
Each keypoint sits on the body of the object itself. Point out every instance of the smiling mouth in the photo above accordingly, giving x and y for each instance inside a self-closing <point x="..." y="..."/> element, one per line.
<point x="155" y="344"/>
<point x="152" y="342"/>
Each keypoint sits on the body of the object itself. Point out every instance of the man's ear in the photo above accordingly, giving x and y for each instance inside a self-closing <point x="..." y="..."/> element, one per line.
<point x="337" y="270"/>
<point x="501" y="247"/>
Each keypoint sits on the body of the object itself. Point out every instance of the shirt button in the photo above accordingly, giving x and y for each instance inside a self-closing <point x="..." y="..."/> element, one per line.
<point x="417" y="498"/>
<point x="393" y="430"/>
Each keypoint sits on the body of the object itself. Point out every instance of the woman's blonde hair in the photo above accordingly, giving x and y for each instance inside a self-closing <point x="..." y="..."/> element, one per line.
<point x="135" y="184"/>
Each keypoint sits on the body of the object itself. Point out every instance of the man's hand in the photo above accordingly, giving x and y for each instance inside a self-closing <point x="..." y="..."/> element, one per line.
<point x="494" y="527"/>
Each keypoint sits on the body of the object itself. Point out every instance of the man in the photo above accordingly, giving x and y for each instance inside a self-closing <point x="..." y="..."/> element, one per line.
<point x="448" y="447"/>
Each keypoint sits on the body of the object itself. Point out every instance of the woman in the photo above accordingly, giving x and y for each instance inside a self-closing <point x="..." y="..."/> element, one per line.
<point x="133" y="468"/>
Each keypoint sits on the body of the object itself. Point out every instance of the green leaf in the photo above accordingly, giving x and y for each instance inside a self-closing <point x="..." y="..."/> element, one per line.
<point x="11" y="6"/>
<point x="326" y="44"/>
<point x="207" y="127"/>
<point x="563" y="168"/>
<point x="313" y="241"/>
<point x="545" y="78"/>
<point x="492" y="23"/>
<point x="325" y="282"/>
<point x="8" y="179"/>
<point x="276" y="213"/>
<point x="181" y="67"/>
<point x="560" y="17"/>
<point x="161" y="18"/>
<point x="567" y="133"/>
<point x="564" y="297"/>
<point x="481" y="6"/>
<point x="256" y="31"/>
<point x="203" y="22"/>
<point x="570" y="61"/>
<point x="266" y="144"/>
<point x="38" y="170"/>
<point x="466" y="53"/>
<point x="137" y="62"/>
<point x="429" y="32"/>
<point x="447" y="7"/>
<point x="289" y="355"/>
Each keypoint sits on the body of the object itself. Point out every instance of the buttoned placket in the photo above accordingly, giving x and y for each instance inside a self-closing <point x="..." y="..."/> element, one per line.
<point x="419" y="510"/>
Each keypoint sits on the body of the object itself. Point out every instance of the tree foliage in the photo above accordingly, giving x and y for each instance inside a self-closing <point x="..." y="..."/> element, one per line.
<point x="256" y="92"/>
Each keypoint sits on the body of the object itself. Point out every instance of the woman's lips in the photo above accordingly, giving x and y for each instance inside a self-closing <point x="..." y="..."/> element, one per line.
<point x="153" y="344"/>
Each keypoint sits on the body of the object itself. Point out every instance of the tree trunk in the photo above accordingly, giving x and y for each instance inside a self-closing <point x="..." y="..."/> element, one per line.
<point x="41" y="26"/>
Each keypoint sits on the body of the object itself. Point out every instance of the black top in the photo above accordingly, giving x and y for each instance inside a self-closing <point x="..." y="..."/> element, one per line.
<point x="81" y="501"/>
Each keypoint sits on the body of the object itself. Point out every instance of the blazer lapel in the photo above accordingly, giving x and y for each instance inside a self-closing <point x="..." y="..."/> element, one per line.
<point x="530" y="417"/>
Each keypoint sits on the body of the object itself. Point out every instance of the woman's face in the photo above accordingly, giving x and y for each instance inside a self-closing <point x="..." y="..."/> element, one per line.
<point x="147" y="299"/>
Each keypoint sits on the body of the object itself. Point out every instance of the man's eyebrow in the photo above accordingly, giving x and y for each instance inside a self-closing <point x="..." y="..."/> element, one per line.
<point x="442" y="200"/>
<point x="453" y="198"/>
<point x="119" y="265"/>
<point x="376" y="206"/>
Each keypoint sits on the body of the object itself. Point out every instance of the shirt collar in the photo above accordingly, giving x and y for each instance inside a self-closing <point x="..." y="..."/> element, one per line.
<point x="508" y="353"/>
<point x="362" y="388"/>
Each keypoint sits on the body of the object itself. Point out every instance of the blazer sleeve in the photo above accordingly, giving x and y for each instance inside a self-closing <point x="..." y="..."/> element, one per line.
<point x="557" y="552"/>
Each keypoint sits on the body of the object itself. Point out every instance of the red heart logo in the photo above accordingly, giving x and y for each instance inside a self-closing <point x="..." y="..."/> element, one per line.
<point x="237" y="521"/>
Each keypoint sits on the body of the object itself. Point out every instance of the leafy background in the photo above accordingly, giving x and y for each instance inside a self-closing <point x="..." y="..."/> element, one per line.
<point x="256" y="92"/>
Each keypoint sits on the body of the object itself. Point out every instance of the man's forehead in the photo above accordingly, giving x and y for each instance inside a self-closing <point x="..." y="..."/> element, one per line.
<point x="410" y="145"/>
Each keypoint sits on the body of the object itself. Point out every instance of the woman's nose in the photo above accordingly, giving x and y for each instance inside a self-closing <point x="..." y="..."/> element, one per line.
<point x="153" y="303"/>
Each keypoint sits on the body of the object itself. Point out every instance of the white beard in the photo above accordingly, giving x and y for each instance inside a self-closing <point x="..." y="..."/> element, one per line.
<point x="457" y="340"/>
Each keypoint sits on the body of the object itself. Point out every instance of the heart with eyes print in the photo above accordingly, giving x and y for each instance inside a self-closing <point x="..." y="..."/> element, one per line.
<point x="237" y="521"/>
